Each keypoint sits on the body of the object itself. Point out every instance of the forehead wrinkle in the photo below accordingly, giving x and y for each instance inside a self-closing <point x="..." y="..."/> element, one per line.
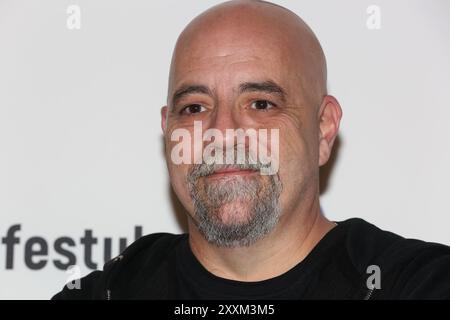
<point x="226" y="60"/>
<point x="224" y="71"/>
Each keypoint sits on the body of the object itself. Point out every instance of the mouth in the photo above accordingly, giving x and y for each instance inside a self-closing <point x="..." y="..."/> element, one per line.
<point x="230" y="171"/>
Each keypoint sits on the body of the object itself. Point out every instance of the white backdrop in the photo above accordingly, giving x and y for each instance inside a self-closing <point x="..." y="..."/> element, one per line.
<point x="80" y="139"/>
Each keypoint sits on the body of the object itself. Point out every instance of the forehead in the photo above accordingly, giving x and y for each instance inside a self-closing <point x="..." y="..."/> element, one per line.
<point x="230" y="57"/>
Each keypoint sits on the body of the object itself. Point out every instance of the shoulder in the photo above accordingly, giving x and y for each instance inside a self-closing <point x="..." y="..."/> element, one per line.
<point x="150" y="249"/>
<point x="410" y="268"/>
<point x="82" y="291"/>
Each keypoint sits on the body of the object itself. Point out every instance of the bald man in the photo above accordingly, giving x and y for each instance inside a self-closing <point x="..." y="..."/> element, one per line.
<point x="256" y="230"/>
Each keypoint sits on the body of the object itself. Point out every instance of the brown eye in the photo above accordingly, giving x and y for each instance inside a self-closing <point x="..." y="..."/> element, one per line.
<point x="192" y="109"/>
<point x="262" y="105"/>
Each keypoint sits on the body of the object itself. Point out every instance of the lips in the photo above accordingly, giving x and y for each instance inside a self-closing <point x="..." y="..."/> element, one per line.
<point x="232" y="171"/>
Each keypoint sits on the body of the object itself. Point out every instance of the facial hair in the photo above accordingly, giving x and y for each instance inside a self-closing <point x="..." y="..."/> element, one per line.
<point x="235" y="211"/>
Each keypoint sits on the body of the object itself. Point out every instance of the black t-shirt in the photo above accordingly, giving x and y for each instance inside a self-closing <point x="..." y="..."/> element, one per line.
<point x="341" y="266"/>
<point x="193" y="281"/>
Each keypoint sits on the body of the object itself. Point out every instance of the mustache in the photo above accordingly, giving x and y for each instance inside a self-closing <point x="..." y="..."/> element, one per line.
<point x="248" y="161"/>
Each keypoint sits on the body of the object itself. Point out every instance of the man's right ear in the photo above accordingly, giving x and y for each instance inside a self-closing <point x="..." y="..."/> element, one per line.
<point x="163" y="118"/>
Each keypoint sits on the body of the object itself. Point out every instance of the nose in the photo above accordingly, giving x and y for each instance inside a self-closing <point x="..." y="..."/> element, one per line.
<point x="225" y="118"/>
<point x="222" y="124"/>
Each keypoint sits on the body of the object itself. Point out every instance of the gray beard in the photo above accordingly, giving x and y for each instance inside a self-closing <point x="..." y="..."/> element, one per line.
<point x="253" y="201"/>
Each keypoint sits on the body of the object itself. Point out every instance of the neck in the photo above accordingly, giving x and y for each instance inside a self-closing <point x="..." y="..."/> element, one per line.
<point x="296" y="234"/>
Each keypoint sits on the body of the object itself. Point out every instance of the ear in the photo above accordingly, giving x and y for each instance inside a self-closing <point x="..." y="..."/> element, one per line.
<point x="163" y="118"/>
<point x="330" y="114"/>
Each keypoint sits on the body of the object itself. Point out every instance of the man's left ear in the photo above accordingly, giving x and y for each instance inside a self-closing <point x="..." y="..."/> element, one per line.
<point x="330" y="114"/>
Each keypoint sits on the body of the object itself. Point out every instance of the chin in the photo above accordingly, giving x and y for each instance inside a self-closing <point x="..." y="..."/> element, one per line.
<point x="234" y="213"/>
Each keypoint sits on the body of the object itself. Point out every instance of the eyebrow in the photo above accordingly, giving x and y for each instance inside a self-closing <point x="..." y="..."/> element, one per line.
<point x="268" y="86"/>
<point x="189" y="89"/>
<point x="265" y="86"/>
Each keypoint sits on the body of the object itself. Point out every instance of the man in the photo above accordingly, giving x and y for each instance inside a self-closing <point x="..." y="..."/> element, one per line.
<point x="254" y="234"/>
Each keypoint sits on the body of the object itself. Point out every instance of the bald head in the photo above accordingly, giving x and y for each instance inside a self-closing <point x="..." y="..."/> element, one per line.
<point x="252" y="30"/>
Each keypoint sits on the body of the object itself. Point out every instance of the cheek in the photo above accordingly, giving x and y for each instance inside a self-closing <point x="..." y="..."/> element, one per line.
<point x="297" y="157"/>
<point x="180" y="147"/>
<point x="298" y="141"/>
<point x="178" y="169"/>
<point x="177" y="175"/>
<point x="297" y="168"/>
<point x="292" y="141"/>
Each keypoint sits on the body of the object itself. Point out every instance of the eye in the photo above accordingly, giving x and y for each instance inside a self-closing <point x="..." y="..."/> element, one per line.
<point x="262" y="105"/>
<point x="192" y="109"/>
